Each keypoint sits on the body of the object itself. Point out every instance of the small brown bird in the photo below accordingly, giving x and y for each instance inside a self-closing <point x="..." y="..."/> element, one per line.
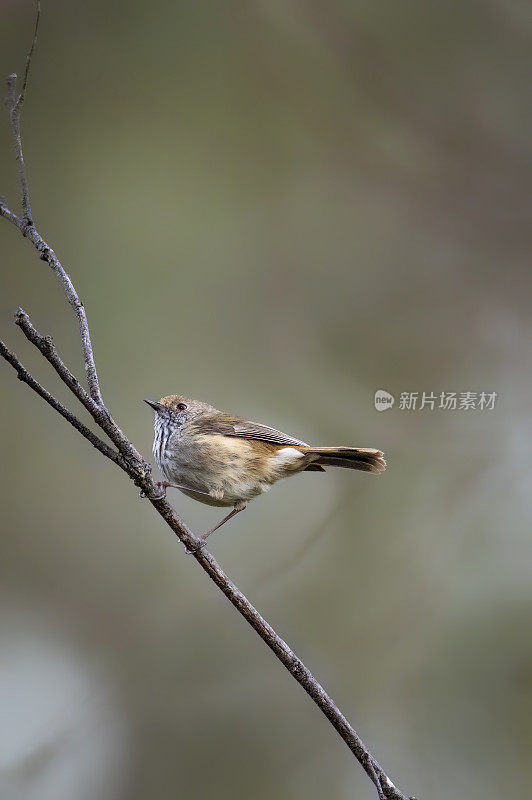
<point x="223" y="460"/>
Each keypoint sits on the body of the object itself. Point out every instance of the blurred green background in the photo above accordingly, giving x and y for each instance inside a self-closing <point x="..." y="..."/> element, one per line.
<point x="277" y="207"/>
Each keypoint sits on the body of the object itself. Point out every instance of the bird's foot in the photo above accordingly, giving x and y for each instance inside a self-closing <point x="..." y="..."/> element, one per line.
<point x="161" y="487"/>
<point x="190" y="551"/>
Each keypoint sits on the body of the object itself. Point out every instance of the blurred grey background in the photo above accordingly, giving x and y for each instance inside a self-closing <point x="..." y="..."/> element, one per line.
<point x="277" y="207"/>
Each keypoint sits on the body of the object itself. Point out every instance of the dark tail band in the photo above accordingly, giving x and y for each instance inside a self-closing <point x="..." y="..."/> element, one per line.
<point x="365" y="459"/>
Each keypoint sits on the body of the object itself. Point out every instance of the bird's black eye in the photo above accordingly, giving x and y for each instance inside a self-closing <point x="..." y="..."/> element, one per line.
<point x="181" y="406"/>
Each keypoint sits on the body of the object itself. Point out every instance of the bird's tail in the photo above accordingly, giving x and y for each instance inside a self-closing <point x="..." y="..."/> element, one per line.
<point x="366" y="459"/>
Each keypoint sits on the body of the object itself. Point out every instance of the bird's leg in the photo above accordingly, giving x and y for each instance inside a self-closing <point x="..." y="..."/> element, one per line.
<point x="239" y="506"/>
<point x="164" y="485"/>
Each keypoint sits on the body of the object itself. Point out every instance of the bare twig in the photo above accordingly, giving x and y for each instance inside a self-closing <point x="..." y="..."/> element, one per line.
<point x="98" y="412"/>
<point x="15" y="104"/>
<point x="131" y="461"/>
<point x="10" y="216"/>
<point x="46" y="346"/>
<point x="26" y="377"/>
<point x="46" y="253"/>
<point x="28" y="57"/>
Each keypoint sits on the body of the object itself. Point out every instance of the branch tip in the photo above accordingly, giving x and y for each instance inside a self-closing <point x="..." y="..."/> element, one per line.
<point x="20" y="98"/>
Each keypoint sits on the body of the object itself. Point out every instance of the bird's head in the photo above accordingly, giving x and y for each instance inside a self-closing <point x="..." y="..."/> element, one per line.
<point x="174" y="409"/>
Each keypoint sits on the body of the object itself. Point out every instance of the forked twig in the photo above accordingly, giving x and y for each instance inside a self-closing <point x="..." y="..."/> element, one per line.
<point x="130" y="460"/>
<point x="26" y="225"/>
<point x="26" y="377"/>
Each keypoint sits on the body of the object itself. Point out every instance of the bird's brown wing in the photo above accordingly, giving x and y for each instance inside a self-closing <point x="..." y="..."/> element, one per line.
<point x="226" y="425"/>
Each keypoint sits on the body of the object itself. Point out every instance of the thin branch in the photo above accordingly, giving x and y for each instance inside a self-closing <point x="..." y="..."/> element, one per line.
<point x="47" y="254"/>
<point x="131" y="461"/>
<point x="15" y="105"/>
<point x="26" y="377"/>
<point x="97" y="407"/>
<point x="305" y="678"/>
<point x="99" y="410"/>
<point x="47" y="348"/>
<point x="10" y="216"/>
<point x="99" y="413"/>
<point x="28" y="58"/>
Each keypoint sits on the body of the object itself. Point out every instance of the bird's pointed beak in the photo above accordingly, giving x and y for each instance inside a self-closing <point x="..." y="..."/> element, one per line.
<point x="156" y="406"/>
